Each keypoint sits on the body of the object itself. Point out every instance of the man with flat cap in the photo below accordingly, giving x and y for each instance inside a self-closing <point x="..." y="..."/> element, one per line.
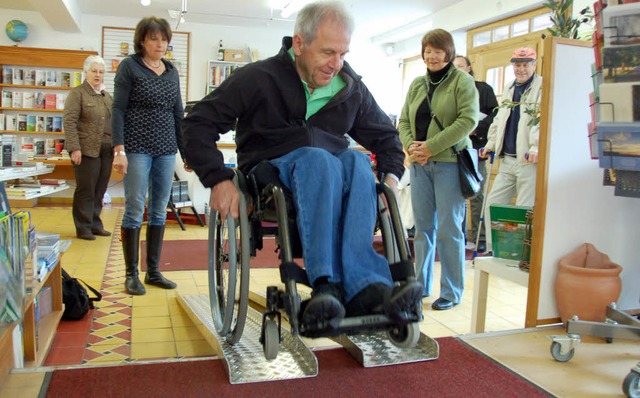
<point x="513" y="137"/>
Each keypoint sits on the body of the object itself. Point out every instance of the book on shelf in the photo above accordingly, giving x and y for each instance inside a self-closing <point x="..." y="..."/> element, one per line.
<point x="16" y="99"/>
<point x="22" y="122"/>
<point x="30" y="77"/>
<point x="60" y="98"/>
<point x="10" y="122"/>
<point x="50" y="146"/>
<point x="18" y="76"/>
<point x="52" y="79"/>
<point x="41" y="77"/>
<point x="28" y="100"/>
<point x="65" y="80"/>
<point x="38" y="101"/>
<point x="31" y="122"/>
<point x="40" y="123"/>
<point x="50" y="101"/>
<point x="7" y="99"/>
<point x="48" y="123"/>
<point x="2" y="121"/>
<point x="53" y="181"/>
<point x="57" y="124"/>
<point x="7" y="155"/>
<point x="76" y="79"/>
<point x="7" y="75"/>
<point x="38" y="146"/>
<point x="59" y="146"/>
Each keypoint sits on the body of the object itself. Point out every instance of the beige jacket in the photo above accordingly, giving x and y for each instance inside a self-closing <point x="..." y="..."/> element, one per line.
<point x="87" y="117"/>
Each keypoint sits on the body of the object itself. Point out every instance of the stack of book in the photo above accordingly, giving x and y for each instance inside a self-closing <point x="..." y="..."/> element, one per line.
<point x="47" y="252"/>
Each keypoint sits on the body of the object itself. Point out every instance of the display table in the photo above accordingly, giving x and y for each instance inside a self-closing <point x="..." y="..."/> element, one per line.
<point x="485" y="266"/>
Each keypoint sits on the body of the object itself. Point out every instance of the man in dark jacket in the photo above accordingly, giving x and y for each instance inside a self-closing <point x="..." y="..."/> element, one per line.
<point x="488" y="110"/>
<point x="294" y="110"/>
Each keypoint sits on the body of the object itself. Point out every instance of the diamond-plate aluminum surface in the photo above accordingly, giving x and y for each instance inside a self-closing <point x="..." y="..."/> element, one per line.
<point x="375" y="349"/>
<point x="245" y="361"/>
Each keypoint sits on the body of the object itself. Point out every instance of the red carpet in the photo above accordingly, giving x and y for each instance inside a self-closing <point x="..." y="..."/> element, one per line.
<point x="460" y="371"/>
<point x="192" y="255"/>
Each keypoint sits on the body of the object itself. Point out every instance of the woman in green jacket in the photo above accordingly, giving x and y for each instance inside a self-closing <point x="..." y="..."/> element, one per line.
<point x="440" y="111"/>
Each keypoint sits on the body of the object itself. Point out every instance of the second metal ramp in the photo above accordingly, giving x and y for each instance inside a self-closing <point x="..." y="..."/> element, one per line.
<point x="375" y="349"/>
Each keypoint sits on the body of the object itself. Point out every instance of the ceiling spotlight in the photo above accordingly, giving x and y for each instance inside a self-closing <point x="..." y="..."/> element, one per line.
<point x="145" y="2"/>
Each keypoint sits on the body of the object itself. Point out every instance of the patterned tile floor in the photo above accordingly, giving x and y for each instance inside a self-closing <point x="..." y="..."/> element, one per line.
<point x="125" y="328"/>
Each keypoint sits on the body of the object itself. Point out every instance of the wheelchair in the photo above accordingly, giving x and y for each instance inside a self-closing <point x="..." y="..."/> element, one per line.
<point x="266" y="208"/>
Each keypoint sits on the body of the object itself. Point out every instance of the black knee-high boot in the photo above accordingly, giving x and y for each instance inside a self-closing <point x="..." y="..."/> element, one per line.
<point x="155" y="234"/>
<point x="130" y="246"/>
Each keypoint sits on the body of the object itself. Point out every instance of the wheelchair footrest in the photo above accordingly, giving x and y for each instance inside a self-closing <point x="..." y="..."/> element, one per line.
<point x="374" y="349"/>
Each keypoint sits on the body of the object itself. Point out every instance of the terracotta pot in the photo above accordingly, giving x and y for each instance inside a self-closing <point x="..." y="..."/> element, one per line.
<point x="586" y="283"/>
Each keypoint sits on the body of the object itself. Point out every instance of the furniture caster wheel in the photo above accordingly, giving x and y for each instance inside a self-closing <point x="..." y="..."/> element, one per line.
<point x="631" y="385"/>
<point x="556" y="352"/>
<point x="404" y="336"/>
<point x="271" y="339"/>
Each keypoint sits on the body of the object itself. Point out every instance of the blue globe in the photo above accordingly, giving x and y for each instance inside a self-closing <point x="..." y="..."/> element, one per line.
<point x="17" y="30"/>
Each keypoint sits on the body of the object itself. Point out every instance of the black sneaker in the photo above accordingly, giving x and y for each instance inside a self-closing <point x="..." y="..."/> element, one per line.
<point x="402" y="300"/>
<point x="325" y="310"/>
<point x="368" y="300"/>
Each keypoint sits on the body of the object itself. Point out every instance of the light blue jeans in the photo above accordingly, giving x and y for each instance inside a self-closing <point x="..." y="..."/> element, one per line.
<point x="336" y="206"/>
<point x="438" y="207"/>
<point x="152" y="175"/>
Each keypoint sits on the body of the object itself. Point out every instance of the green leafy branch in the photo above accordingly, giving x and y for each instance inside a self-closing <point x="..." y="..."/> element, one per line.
<point x="564" y="25"/>
<point x="531" y="108"/>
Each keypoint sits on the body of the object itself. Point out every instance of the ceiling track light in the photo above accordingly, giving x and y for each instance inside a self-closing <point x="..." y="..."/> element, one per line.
<point x="145" y="2"/>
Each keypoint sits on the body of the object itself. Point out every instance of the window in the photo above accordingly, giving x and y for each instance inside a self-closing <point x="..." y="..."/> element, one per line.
<point x="500" y="33"/>
<point x="541" y="22"/>
<point x="517" y="26"/>
<point x="482" y="38"/>
<point x="520" y="28"/>
<point x="498" y="77"/>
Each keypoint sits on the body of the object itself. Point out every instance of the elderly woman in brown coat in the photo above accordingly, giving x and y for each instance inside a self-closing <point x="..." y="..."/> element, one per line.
<point x="87" y="129"/>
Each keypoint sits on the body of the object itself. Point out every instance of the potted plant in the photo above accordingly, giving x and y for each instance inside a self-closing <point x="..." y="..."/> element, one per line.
<point x="564" y="24"/>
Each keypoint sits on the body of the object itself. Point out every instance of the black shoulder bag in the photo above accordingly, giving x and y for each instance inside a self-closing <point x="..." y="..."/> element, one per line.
<point x="468" y="174"/>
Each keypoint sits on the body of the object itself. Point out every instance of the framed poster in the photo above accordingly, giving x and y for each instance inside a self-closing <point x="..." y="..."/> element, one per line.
<point x="117" y="43"/>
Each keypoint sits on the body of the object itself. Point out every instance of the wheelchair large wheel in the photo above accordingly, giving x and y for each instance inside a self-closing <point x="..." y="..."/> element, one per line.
<point x="386" y="230"/>
<point x="229" y="256"/>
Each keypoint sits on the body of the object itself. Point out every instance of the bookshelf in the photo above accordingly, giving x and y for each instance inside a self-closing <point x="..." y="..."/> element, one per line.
<point x="28" y="198"/>
<point x="217" y="71"/>
<point x="26" y="335"/>
<point x="34" y="85"/>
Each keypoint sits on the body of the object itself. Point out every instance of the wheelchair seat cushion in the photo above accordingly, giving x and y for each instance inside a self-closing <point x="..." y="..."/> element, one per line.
<point x="264" y="174"/>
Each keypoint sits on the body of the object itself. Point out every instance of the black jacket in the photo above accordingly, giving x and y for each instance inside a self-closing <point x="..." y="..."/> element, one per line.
<point x="488" y="106"/>
<point x="267" y="101"/>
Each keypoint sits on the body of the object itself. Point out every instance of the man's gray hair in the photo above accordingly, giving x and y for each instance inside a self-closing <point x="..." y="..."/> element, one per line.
<point x="313" y="14"/>
<point x="92" y="59"/>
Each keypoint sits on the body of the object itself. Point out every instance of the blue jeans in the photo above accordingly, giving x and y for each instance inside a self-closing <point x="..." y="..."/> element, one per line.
<point x="336" y="207"/>
<point x="438" y="207"/>
<point x="152" y="174"/>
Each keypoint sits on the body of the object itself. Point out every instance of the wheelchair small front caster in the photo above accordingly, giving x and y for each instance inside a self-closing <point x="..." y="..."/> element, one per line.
<point x="405" y="336"/>
<point x="271" y="343"/>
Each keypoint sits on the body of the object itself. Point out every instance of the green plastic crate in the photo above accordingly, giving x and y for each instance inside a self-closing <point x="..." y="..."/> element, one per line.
<point x="508" y="230"/>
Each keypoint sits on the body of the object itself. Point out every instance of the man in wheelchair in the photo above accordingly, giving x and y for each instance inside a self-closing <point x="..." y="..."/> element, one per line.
<point x="294" y="110"/>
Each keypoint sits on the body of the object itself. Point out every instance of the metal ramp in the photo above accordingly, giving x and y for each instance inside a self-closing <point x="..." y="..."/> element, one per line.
<point x="375" y="349"/>
<point x="245" y="361"/>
